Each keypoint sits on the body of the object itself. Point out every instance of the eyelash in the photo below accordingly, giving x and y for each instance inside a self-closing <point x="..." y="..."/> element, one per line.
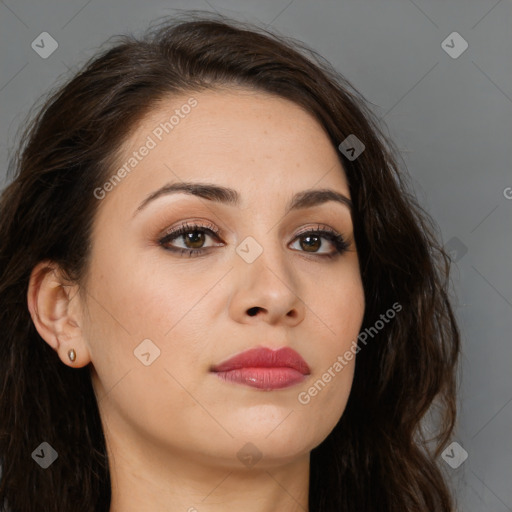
<point x="340" y="244"/>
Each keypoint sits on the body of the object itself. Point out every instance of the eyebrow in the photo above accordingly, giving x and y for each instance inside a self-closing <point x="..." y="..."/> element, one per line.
<point x="229" y="196"/>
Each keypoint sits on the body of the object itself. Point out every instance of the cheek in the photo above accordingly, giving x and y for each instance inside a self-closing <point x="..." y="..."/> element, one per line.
<point x="148" y="295"/>
<point x="343" y="311"/>
<point x="148" y="299"/>
<point x="131" y="302"/>
<point x="340" y="308"/>
<point x="340" y="304"/>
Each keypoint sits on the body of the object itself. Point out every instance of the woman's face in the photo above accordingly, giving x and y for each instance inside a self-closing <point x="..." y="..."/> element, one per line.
<point x="158" y="319"/>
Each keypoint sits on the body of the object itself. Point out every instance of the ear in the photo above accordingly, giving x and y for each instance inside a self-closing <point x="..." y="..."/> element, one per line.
<point x="54" y="305"/>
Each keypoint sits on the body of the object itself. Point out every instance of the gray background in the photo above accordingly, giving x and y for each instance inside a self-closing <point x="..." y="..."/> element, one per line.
<point x="450" y="117"/>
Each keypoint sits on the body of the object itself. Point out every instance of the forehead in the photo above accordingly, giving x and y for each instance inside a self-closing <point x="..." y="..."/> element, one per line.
<point x="236" y="137"/>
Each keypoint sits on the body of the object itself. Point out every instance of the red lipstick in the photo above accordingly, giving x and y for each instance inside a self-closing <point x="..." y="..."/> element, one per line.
<point x="264" y="368"/>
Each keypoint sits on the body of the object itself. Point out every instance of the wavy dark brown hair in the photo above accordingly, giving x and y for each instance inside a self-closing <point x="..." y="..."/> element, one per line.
<point x="379" y="456"/>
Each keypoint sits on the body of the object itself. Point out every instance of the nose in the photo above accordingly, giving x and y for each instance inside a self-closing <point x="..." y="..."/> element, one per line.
<point x="266" y="290"/>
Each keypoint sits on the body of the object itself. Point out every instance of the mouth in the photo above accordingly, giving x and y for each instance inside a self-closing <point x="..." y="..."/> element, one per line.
<point x="263" y="368"/>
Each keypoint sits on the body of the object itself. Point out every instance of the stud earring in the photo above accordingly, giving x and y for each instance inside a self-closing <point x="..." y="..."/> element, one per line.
<point x="72" y="354"/>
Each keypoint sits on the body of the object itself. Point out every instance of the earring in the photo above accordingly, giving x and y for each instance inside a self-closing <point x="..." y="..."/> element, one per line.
<point x="72" y="354"/>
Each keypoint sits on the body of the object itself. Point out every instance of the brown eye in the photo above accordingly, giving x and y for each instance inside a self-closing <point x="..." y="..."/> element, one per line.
<point x="192" y="237"/>
<point x="311" y="243"/>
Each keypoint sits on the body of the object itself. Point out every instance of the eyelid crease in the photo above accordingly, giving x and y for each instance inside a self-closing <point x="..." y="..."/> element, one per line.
<point x="192" y="227"/>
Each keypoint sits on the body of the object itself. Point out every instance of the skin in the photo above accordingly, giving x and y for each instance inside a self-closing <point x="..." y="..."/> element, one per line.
<point x="173" y="428"/>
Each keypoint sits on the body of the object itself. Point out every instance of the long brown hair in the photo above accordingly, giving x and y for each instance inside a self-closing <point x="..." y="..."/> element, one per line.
<point x="378" y="456"/>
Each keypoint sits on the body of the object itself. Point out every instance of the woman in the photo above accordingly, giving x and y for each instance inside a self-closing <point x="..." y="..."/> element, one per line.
<point x="205" y="231"/>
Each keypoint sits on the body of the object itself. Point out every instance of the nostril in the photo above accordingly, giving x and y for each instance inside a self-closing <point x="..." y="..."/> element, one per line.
<point x="253" y="311"/>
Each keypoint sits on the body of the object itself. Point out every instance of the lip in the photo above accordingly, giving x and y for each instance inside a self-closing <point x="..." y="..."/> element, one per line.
<point x="264" y="368"/>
